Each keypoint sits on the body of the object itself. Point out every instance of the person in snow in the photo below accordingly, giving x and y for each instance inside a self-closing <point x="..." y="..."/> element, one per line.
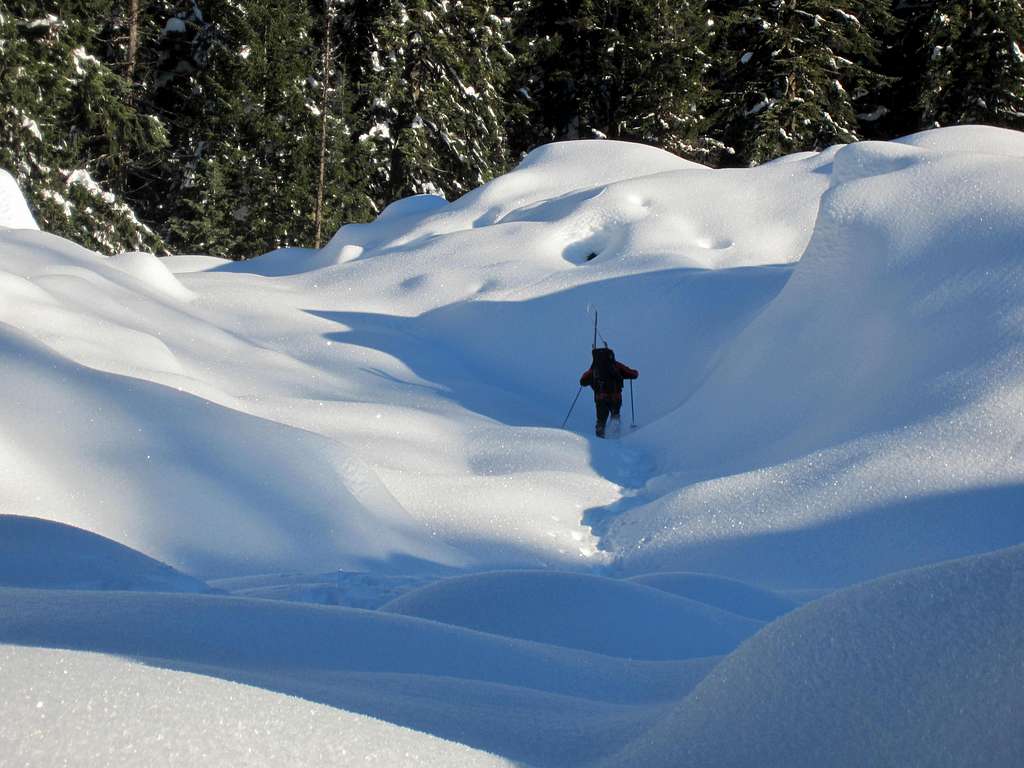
<point x="605" y="376"/>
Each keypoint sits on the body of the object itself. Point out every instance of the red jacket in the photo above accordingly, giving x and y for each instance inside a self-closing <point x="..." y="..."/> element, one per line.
<point x="615" y="395"/>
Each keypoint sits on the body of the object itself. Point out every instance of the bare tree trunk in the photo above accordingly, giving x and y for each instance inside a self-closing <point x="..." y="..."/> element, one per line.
<point x="133" y="40"/>
<point x="324" y="96"/>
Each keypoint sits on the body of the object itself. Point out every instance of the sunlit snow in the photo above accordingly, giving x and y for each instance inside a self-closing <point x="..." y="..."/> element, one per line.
<point x="234" y="493"/>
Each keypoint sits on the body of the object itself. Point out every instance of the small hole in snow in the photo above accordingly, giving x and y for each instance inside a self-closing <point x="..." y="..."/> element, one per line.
<point x="591" y="256"/>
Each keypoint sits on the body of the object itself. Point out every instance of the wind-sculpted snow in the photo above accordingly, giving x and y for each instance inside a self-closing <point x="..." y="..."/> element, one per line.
<point x="208" y="486"/>
<point x="59" y="708"/>
<point x="548" y="173"/>
<point x="606" y="616"/>
<point x="727" y="594"/>
<point x="973" y="139"/>
<point x="831" y="390"/>
<point x="239" y="633"/>
<point x="892" y="412"/>
<point x="47" y="555"/>
<point x="479" y="689"/>
<point x="920" y="668"/>
<point x="280" y="441"/>
<point x="150" y="271"/>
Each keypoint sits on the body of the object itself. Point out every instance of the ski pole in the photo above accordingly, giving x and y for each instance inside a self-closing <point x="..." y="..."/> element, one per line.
<point x="632" y="404"/>
<point x="566" y="420"/>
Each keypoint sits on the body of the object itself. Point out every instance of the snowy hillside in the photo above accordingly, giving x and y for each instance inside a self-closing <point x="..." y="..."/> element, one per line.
<point x="831" y="393"/>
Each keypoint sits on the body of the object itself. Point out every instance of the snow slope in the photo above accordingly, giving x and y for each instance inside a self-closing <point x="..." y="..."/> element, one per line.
<point x="727" y="594"/>
<point x="479" y="689"/>
<point x="920" y="668"/>
<point x="607" y="616"/>
<point x="830" y="391"/>
<point x="59" y="708"/>
<point x="41" y="553"/>
<point x="885" y="432"/>
<point x="165" y="474"/>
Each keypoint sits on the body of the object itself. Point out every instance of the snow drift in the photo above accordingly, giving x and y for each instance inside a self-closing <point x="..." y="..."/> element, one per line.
<point x="48" y="555"/>
<point x="830" y="394"/>
<point x="891" y="412"/>
<point x="606" y="616"/>
<point x="14" y="212"/>
<point x="59" y="708"/>
<point x="192" y="496"/>
<point x="727" y="594"/>
<point x="479" y="689"/>
<point x="920" y="668"/>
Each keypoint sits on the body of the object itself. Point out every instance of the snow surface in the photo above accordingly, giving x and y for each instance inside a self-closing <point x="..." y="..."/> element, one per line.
<point x="935" y="678"/>
<point x="609" y="616"/>
<point x="479" y="689"/>
<point x="41" y="553"/>
<point x="14" y="212"/>
<point x="60" y="708"/>
<point x="727" y="594"/>
<point x="884" y="433"/>
<point x="831" y="393"/>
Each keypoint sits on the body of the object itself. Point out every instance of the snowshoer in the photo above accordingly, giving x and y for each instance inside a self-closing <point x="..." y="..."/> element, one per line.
<point x="605" y="377"/>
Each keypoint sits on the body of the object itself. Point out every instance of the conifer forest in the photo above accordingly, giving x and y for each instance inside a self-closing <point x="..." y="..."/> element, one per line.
<point x="233" y="127"/>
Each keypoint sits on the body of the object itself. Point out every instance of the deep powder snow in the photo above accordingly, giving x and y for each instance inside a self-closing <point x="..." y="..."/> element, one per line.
<point x="829" y="412"/>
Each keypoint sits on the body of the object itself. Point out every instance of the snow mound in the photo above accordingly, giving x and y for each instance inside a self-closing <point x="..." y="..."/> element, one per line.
<point x="413" y="206"/>
<point x="14" y="212"/>
<point x="249" y="634"/>
<point x="548" y="172"/>
<point x="291" y="261"/>
<point x="477" y="689"/>
<point x="871" y="159"/>
<point x="43" y="554"/>
<point x="684" y="218"/>
<point x="588" y="163"/>
<point x="152" y="273"/>
<point x="972" y="139"/>
<point x="180" y="264"/>
<point x="727" y="594"/>
<point x="591" y="613"/>
<point x="327" y="394"/>
<point x="213" y="490"/>
<point x="831" y="390"/>
<point x="919" y="668"/>
<point x="891" y="412"/>
<point x="85" y="709"/>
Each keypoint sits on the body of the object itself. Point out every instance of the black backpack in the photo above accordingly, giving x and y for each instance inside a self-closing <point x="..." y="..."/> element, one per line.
<point x="606" y="374"/>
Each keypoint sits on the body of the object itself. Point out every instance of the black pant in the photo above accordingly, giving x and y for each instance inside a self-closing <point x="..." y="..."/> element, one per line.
<point x="604" y="408"/>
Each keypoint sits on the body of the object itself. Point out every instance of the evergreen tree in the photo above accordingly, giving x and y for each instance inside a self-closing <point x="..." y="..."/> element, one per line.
<point x="343" y="189"/>
<point x="795" y="75"/>
<point x="327" y="55"/>
<point x="621" y="69"/>
<point x="656" y="85"/>
<point x="244" y="125"/>
<point x="970" y="63"/>
<point x="237" y="84"/>
<point x="429" y="76"/>
<point x="68" y="130"/>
